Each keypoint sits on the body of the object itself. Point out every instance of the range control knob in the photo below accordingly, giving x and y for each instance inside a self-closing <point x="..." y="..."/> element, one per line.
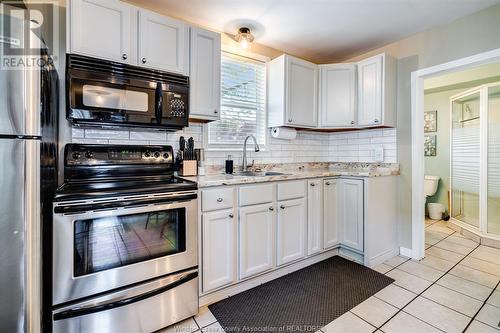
<point x="166" y="155"/>
<point x="76" y="155"/>
<point x="89" y="154"/>
<point x="157" y="154"/>
<point x="147" y="153"/>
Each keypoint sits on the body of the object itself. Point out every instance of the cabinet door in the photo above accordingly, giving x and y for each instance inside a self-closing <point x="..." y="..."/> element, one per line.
<point x="218" y="238"/>
<point x="163" y="42"/>
<point x="102" y="29"/>
<point x="314" y="216"/>
<point x="302" y="90"/>
<point x="370" y="91"/>
<point x="204" y="80"/>
<point x="256" y="246"/>
<point x="337" y="95"/>
<point x="351" y="213"/>
<point x="331" y="213"/>
<point x="291" y="230"/>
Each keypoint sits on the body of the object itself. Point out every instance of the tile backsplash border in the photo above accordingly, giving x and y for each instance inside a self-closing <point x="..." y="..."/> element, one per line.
<point x="309" y="146"/>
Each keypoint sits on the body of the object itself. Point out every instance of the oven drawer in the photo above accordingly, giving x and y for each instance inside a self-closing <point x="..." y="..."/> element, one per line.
<point x="218" y="198"/>
<point x="144" y="308"/>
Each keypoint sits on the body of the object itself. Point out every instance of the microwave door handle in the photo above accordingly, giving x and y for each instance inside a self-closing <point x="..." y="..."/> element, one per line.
<point x="158" y="102"/>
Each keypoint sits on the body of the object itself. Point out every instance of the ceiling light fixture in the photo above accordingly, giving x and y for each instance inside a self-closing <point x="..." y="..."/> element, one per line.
<point x="244" y="37"/>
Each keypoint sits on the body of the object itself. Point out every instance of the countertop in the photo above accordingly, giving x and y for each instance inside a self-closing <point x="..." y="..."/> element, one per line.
<point x="303" y="171"/>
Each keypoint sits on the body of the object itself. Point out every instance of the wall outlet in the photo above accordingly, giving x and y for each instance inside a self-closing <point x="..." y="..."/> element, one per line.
<point x="378" y="154"/>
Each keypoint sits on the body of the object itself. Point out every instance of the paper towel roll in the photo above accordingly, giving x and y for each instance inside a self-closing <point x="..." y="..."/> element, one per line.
<point x="284" y="133"/>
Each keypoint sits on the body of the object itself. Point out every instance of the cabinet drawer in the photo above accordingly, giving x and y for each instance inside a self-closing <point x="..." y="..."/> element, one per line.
<point x="217" y="198"/>
<point x="291" y="190"/>
<point x="256" y="194"/>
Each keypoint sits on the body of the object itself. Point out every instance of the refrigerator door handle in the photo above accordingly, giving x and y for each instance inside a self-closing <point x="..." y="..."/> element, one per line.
<point x="33" y="101"/>
<point x="33" y="233"/>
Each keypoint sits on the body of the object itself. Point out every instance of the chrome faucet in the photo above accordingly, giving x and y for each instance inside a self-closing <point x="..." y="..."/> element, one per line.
<point x="244" y="164"/>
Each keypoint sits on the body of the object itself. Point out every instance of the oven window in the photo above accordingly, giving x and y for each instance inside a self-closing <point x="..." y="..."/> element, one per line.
<point x="110" y="242"/>
<point x="111" y="98"/>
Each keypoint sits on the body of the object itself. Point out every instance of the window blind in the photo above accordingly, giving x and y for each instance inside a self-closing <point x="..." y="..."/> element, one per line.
<point x="243" y="96"/>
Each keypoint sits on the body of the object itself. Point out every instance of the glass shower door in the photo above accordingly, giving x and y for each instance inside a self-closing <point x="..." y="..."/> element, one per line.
<point x="494" y="160"/>
<point x="465" y="158"/>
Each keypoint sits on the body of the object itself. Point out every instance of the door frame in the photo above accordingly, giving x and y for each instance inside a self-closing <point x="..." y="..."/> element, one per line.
<point x="417" y="138"/>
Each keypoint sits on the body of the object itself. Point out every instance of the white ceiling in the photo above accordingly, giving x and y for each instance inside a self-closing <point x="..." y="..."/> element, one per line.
<point x="320" y="30"/>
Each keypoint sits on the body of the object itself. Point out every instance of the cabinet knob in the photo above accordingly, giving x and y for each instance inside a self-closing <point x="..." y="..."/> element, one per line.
<point x="124" y="56"/>
<point x="312" y="184"/>
<point x="271" y="208"/>
<point x="215" y="111"/>
<point x="376" y="121"/>
<point x="327" y="183"/>
<point x="219" y="200"/>
<point x="353" y="122"/>
<point x="231" y="215"/>
<point x="290" y="120"/>
<point x="143" y="60"/>
<point x="282" y="207"/>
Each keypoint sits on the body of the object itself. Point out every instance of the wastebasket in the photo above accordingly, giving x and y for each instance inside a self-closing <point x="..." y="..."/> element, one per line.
<point x="435" y="211"/>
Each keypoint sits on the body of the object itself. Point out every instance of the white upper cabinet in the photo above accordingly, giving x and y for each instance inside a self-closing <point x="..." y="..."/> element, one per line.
<point x="117" y="31"/>
<point x="102" y="29"/>
<point x="337" y="102"/>
<point x="163" y="42"/>
<point x="377" y="91"/>
<point x="292" y="92"/>
<point x="205" y="76"/>
<point x="257" y="239"/>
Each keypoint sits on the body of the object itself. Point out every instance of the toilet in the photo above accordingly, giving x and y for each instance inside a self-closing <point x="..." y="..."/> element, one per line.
<point x="430" y="185"/>
<point x="430" y="188"/>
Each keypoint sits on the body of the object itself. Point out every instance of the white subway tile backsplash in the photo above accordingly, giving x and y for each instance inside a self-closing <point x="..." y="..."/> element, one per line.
<point x="355" y="146"/>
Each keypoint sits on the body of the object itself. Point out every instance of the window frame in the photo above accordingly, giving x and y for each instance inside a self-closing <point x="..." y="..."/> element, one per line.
<point x="237" y="146"/>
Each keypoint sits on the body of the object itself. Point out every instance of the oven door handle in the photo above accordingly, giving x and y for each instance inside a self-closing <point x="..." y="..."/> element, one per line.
<point x="158" y="102"/>
<point x="118" y="301"/>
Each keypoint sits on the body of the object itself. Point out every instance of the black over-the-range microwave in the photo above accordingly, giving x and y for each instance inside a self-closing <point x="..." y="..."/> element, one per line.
<point x="110" y="94"/>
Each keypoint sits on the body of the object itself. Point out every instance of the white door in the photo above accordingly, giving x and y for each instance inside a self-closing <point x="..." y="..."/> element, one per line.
<point x="291" y="230"/>
<point x="330" y="213"/>
<point x="314" y="216"/>
<point x="257" y="245"/>
<point x="204" y="79"/>
<point x="351" y="213"/>
<point x="163" y="42"/>
<point x="302" y="90"/>
<point x="102" y="29"/>
<point x="218" y="249"/>
<point x="370" y="91"/>
<point x="337" y="95"/>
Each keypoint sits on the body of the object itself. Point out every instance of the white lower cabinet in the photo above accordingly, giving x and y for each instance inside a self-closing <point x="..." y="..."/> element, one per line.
<point x="218" y="248"/>
<point x="314" y="216"/>
<point x="330" y="213"/>
<point x="351" y="213"/>
<point x="256" y="239"/>
<point x="291" y="230"/>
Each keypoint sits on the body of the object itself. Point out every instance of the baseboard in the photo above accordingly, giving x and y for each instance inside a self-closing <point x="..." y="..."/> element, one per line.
<point x="258" y="280"/>
<point x="381" y="257"/>
<point x="405" y="252"/>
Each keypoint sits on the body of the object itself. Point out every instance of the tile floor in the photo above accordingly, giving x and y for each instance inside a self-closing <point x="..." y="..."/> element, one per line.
<point x="454" y="289"/>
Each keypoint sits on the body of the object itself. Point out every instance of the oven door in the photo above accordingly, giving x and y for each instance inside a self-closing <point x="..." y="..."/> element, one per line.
<point x="102" y="245"/>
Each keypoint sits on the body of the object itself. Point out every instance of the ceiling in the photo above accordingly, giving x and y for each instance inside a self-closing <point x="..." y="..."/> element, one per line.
<point x="320" y="30"/>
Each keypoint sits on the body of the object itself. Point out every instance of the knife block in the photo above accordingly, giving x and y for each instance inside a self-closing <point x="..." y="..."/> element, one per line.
<point x="189" y="168"/>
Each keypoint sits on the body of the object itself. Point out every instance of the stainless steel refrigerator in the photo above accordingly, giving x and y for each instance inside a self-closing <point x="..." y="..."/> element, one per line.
<point x="28" y="143"/>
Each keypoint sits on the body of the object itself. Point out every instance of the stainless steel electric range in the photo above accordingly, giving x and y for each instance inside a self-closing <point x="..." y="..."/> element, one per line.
<point x="124" y="241"/>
